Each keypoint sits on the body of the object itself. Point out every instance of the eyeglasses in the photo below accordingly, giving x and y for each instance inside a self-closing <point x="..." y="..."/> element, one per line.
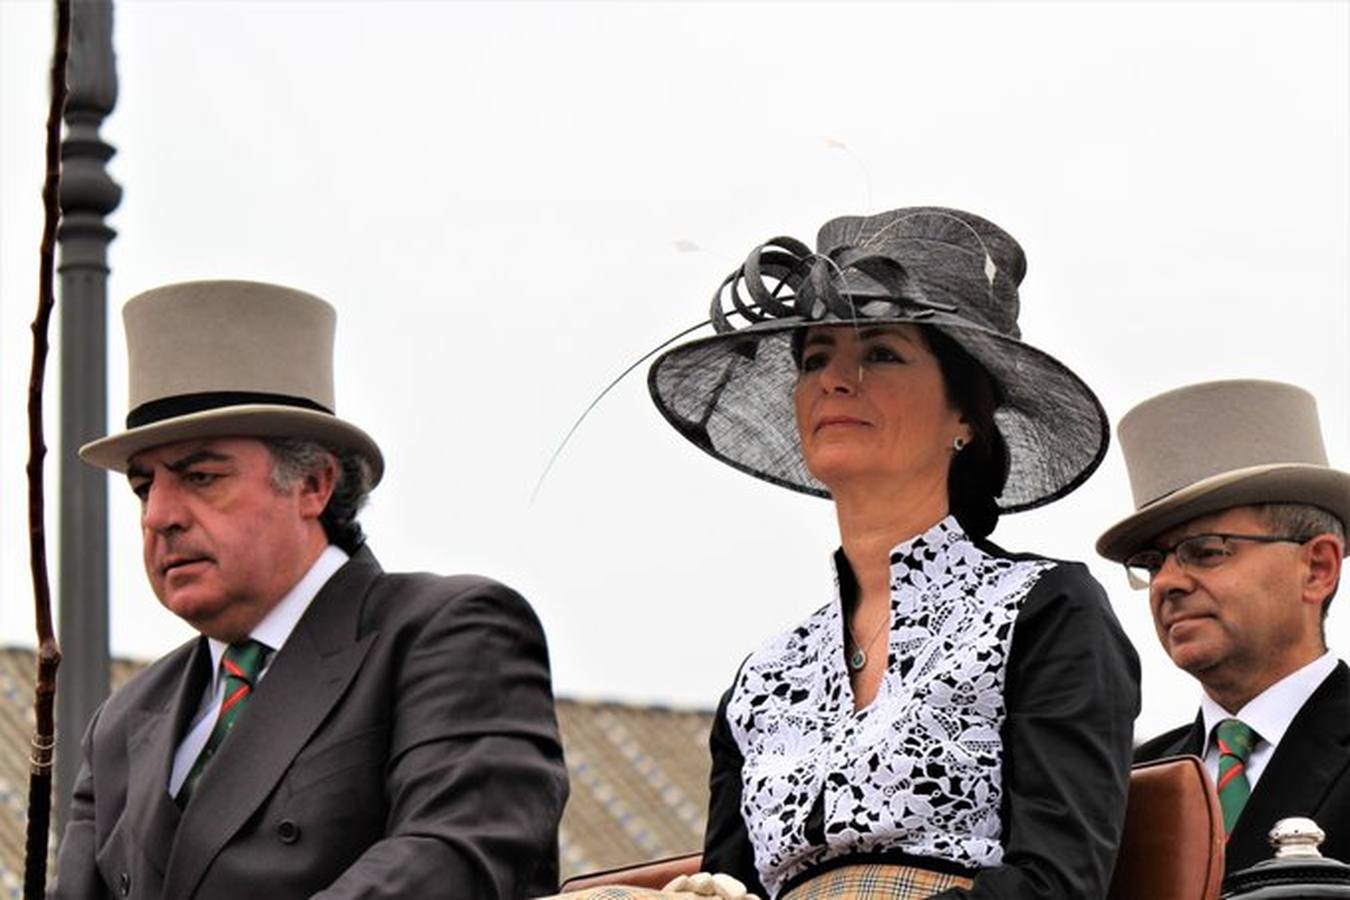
<point x="1199" y="551"/>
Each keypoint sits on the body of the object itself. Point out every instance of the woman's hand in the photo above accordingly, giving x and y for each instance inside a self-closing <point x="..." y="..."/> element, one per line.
<point x="703" y="884"/>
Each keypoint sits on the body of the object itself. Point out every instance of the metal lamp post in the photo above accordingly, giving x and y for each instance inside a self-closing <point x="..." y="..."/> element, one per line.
<point x="88" y="195"/>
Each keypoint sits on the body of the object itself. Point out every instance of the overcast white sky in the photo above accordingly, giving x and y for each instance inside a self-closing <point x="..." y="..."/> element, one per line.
<point x="490" y="194"/>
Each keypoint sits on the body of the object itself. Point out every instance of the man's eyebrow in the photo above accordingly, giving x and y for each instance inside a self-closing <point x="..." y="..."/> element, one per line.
<point x="193" y="459"/>
<point x="134" y="471"/>
<point x="820" y="337"/>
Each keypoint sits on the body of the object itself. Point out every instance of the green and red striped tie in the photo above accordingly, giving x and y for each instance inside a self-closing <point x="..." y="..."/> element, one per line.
<point x="241" y="664"/>
<point x="1236" y="741"/>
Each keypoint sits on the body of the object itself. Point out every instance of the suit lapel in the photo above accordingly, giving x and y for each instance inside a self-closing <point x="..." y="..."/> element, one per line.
<point x="308" y="676"/>
<point x="1314" y="752"/>
<point x="1192" y="741"/>
<point x="1188" y="739"/>
<point x="152" y="738"/>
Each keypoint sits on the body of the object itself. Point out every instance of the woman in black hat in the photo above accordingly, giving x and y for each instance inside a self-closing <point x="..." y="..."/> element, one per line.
<point x="957" y="721"/>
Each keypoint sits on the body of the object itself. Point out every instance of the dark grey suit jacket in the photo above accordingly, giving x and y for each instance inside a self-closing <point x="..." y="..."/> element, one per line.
<point x="1309" y="774"/>
<point x="403" y="744"/>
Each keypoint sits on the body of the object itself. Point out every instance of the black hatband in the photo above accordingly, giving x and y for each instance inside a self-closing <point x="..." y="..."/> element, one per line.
<point x="186" y="404"/>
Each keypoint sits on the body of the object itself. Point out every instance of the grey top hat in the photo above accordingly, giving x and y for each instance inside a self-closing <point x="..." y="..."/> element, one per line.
<point x="731" y="394"/>
<point x="1206" y="447"/>
<point x="229" y="358"/>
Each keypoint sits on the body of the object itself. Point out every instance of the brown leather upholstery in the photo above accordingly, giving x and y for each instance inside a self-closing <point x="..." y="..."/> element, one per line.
<point x="1173" y="843"/>
<point x="1172" y="848"/>
<point x="656" y="874"/>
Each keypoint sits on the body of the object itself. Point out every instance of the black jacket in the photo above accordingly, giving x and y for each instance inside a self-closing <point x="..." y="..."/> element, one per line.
<point x="403" y="744"/>
<point x="1308" y="775"/>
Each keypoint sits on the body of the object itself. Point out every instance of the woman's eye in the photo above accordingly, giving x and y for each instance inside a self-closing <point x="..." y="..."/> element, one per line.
<point x="882" y="353"/>
<point x="813" y="362"/>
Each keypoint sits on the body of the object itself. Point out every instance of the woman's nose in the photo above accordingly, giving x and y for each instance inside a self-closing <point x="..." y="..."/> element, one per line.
<point x="841" y="375"/>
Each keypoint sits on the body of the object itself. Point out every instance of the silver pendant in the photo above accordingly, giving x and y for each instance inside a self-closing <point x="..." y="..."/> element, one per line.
<point x="857" y="660"/>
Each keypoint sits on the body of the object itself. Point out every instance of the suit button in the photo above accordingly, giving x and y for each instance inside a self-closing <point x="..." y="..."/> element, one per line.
<point x="288" y="832"/>
<point x="124" y="884"/>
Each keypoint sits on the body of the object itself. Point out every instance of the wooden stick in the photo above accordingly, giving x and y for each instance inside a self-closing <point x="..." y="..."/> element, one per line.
<point x="49" y="655"/>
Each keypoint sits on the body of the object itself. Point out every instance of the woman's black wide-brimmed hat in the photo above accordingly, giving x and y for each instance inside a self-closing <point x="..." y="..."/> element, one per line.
<point x="731" y="394"/>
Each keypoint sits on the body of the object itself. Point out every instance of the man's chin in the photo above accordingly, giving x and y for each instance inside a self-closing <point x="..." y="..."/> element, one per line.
<point x="1195" y="658"/>
<point x="195" y="607"/>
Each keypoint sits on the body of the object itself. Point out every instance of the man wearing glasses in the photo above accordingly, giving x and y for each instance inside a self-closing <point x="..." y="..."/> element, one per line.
<point x="1238" y="535"/>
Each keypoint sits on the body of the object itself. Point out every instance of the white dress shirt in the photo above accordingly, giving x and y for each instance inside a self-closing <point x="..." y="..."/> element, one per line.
<point x="273" y="630"/>
<point x="1268" y="714"/>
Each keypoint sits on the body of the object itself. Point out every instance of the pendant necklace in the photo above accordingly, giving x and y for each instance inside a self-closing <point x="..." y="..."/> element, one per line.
<point x="857" y="660"/>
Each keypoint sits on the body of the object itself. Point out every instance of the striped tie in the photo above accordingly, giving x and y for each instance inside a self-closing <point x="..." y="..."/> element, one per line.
<point x="241" y="664"/>
<point x="1236" y="741"/>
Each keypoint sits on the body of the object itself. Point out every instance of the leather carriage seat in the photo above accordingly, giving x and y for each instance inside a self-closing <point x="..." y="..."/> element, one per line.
<point x="1173" y="843"/>
<point x="1172" y="848"/>
<point x="655" y="874"/>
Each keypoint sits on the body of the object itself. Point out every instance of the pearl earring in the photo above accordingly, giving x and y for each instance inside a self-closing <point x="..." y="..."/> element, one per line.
<point x="958" y="443"/>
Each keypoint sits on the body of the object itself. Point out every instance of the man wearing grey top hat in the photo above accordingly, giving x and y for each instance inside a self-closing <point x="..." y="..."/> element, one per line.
<point x="335" y="731"/>
<point x="1238" y="534"/>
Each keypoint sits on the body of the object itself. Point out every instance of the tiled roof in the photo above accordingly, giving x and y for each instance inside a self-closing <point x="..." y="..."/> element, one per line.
<point x="639" y="783"/>
<point x="639" y="776"/>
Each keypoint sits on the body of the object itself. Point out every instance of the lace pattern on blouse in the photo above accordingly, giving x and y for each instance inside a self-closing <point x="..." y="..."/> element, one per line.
<point x="919" y="769"/>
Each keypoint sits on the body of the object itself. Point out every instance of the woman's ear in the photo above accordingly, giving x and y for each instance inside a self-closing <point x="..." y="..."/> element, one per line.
<point x="967" y="432"/>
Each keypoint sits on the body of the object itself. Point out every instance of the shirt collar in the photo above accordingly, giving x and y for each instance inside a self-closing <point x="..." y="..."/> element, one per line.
<point x="276" y="627"/>
<point x="916" y="552"/>
<point x="1270" y="712"/>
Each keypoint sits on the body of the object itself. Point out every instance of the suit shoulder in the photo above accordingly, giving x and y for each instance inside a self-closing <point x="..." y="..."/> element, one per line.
<point x="444" y="586"/>
<point x="1165" y="744"/>
<point x="428" y="594"/>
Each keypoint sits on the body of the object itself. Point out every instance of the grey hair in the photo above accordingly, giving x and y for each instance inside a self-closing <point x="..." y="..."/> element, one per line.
<point x="1303" y="521"/>
<point x="294" y="459"/>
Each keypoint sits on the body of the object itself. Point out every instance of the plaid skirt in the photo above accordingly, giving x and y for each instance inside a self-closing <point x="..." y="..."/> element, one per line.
<point x="875" y="881"/>
<point x="864" y="881"/>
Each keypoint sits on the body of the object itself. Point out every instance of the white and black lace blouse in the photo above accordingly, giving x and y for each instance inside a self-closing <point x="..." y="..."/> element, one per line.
<point x="998" y="743"/>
